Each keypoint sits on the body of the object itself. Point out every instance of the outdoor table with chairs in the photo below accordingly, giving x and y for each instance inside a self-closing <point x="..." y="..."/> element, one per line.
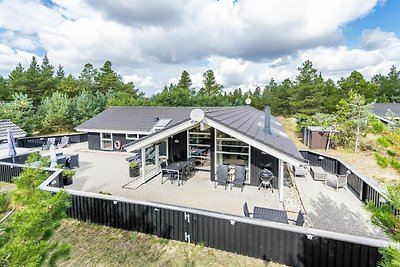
<point x="272" y="215"/>
<point x="176" y="170"/>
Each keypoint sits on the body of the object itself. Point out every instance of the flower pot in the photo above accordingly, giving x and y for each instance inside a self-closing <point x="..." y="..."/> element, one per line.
<point x="134" y="172"/>
<point x="67" y="180"/>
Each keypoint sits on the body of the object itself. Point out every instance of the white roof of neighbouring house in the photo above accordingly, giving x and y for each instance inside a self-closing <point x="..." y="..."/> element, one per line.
<point x="16" y="130"/>
<point x="380" y="109"/>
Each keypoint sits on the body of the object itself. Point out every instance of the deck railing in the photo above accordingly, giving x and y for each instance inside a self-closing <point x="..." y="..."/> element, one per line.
<point x="362" y="186"/>
<point x="287" y="244"/>
<point x="37" y="141"/>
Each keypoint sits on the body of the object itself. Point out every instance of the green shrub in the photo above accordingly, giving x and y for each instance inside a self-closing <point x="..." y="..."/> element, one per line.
<point x="385" y="219"/>
<point x="376" y="126"/>
<point x="133" y="164"/>
<point x="4" y="202"/>
<point x="390" y="257"/>
<point x="395" y="164"/>
<point x="391" y="153"/>
<point x="383" y="141"/>
<point x="381" y="160"/>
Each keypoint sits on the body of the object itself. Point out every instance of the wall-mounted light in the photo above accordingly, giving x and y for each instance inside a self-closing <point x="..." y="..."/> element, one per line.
<point x="348" y="172"/>
<point x="115" y="202"/>
<point x="310" y="237"/>
<point x="176" y="141"/>
<point x="232" y="222"/>
<point x="320" y="157"/>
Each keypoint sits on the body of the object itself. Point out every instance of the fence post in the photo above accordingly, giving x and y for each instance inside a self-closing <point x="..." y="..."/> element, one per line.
<point x="361" y="189"/>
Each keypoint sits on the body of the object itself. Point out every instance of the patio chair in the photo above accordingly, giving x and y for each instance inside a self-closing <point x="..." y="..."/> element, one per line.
<point x="299" y="220"/>
<point x="300" y="171"/>
<point x="246" y="210"/>
<point x="339" y="181"/>
<point x="50" y="141"/>
<point x="240" y="175"/>
<point x="222" y="176"/>
<point x="64" y="142"/>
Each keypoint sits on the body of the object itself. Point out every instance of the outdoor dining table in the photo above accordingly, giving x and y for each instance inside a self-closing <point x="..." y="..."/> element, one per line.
<point x="270" y="215"/>
<point x="176" y="167"/>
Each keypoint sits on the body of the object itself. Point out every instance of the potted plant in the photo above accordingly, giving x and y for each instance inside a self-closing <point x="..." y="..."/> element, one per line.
<point x="133" y="169"/>
<point x="67" y="176"/>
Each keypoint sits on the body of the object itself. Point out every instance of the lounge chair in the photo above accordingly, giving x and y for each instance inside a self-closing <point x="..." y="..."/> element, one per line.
<point x="222" y="176"/>
<point x="339" y="181"/>
<point x="64" y="142"/>
<point x="300" y="171"/>
<point x="246" y="210"/>
<point x="50" y="141"/>
<point x="240" y="176"/>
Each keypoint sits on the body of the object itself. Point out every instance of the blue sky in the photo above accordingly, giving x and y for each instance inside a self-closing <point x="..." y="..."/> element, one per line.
<point x="246" y="44"/>
<point x="386" y="17"/>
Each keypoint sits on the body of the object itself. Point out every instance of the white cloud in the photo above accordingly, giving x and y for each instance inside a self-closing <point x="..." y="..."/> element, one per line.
<point x="151" y="42"/>
<point x="10" y="57"/>
<point x="27" y="16"/>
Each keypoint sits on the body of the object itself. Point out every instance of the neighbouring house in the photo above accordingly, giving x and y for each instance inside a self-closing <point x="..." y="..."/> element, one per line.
<point x="317" y="137"/>
<point x="124" y="125"/>
<point x="16" y="130"/>
<point x="380" y="110"/>
<point x="231" y="136"/>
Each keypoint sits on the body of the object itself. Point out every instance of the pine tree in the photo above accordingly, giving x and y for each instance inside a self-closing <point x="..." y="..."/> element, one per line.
<point x="306" y="97"/>
<point x="211" y="87"/>
<point x="185" y="81"/>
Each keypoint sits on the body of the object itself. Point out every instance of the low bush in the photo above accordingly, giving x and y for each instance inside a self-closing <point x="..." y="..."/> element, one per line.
<point x="391" y="153"/>
<point x="383" y="141"/>
<point x="395" y="164"/>
<point x="4" y="201"/>
<point x="382" y="161"/>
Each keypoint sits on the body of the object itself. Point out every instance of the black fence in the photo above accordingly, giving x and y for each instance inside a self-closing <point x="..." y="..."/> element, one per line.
<point x="363" y="187"/>
<point x="37" y="141"/>
<point x="8" y="171"/>
<point x="19" y="159"/>
<point x="270" y="241"/>
<point x="286" y="244"/>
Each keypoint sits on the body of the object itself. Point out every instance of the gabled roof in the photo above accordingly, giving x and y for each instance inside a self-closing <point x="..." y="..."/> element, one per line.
<point x="134" y="119"/>
<point x="250" y="122"/>
<point x="244" y="120"/>
<point x="16" y="130"/>
<point x="380" y="109"/>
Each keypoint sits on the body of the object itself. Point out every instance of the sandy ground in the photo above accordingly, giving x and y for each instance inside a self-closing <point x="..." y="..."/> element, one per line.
<point x="363" y="161"/>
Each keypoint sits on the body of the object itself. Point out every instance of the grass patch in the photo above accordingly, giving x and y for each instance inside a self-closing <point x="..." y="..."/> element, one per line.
<point x="96" y="245"/>
<point x="382" y="160"/>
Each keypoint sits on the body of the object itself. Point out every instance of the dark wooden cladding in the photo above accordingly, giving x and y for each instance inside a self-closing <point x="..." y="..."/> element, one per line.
<point x="364" y="191"/>
<point x="262" y="242"/>
<point x="30" y="142"/>
<point x="7" y="172"/>
<point x="94" y="141"/>
<point x="177" y="146"/>
<point x="258" y="161"/>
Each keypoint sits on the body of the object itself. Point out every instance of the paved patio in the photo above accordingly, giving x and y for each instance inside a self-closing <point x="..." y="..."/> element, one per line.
<point x="325" y="208"/>
<point x="108" y="173"/>
<point x="338" y="211"/>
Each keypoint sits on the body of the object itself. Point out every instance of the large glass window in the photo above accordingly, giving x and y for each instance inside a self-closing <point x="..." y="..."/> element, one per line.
<point x="106" y="141"/>
<point x="199" y="146"/>
<point x="231" y="151"/>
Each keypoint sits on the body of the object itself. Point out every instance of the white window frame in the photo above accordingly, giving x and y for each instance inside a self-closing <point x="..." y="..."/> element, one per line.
<point x="132" y="138"/>
<point x="106" y="139"/>
<point x="216" y="152"/>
